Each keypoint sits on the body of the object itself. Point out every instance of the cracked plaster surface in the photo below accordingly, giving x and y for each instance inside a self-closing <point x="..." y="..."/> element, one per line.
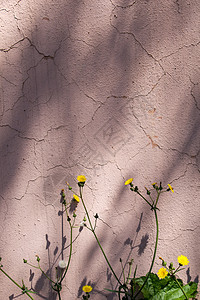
<point x="109" y="90"/>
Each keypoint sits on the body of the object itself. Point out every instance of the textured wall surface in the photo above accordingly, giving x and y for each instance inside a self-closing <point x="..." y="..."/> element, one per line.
<point x="109" y="89"/>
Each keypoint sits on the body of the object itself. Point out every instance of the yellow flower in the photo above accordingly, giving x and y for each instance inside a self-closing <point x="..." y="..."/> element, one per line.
<point x="87" y="288"/>
<point x="75" y="197"/>
<point x="128" y="181"/>
<point x="170" y="187"/>
<point x="81" y="178"/>
<point x="183" y="260"/>
<point x="162" y="273"/>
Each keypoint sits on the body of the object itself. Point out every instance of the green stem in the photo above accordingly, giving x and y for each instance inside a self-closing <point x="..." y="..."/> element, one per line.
<point x="177" y="270"/>
<point x="180" y="287"/>
<point x="70" y="252"/>
<point x="123" y="271"/>
<point x="157" y="198"/>
<point x="154" y="255"/>
<point x="81" y="196"/>
<point x="44" y="273"/>
<point x="59" y="295"/>
<point x="144" y="199"/>
<point x="15" y="283"/>
<point x="129" y="271"/>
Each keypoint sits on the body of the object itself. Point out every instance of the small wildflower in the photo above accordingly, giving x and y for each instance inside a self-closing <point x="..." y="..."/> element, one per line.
<point x="171" y="266"/>
<point x="75" y="197"/>
<point x="170" y="188"/>
<point x="148" y="192"/>
<point x="129" y="181"/>
<point x="62" y="193"/>
<point x="37" y="257"/>
<point x="81" y="178"/>
<point x="82" y="224"/>
<point x="154" y="184"/>
<point x="69" y="187"/>
<point x="163" y="262"/>
<point x="183" y="260"/>
<point x="62" y="264"/>
<point x="87" y="288"/>
<point x="162" y="273"/>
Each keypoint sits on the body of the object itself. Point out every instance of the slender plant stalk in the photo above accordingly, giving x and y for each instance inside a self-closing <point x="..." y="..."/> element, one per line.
<point x="144" y="199"/>
<point x="81" y="196"/>
<point x="154" y="255"/>
<point x="59" y="295"/>
<point x="180" y="287"/>
<point x="158" y="195"/>
<point x="40" y="270"/>
<point x="123" y="271"/>
<point x="70" y="251"/>
<point x="15" y="283"/>
<point x="45" y="273"/>
<point x="129" y="271"/>
<point x="70" y="256"/>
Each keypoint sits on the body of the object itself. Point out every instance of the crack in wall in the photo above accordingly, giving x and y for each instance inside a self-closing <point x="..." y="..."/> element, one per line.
<point x="8" y="80"/>
<point x="30" y="190"/>
<point x="26" y="189"/>
<point x="12" y="46"/>
<point x="183" y="174"/>
<point x="193" y="96"/>
<point x="137" y="41"/>
<point x="178" y="6"/>
<point x="179" y="49"/>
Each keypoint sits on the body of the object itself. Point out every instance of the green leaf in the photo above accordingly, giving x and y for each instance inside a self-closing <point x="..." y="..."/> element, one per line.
<point x="165" y="289"/>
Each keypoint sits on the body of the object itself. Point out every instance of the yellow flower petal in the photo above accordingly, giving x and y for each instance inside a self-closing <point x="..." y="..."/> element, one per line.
<point x="170" y="187"/>
<point x="183" y="260"/>
<point x="75" y="197"/>
<point x="81" y="178"/>
<point x="128" y="181"/>
<point x="87" y="288"/>
<point x="162" y="273"/>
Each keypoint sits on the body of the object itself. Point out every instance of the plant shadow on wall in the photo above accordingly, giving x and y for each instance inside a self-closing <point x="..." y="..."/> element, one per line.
<point x="26" y="104"/>
<point x="153" y="286"/>
<point x="57" y="264"/>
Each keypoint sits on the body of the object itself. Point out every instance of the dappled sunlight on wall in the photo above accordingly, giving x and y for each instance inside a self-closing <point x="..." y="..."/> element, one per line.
<point x="109" y="90"/>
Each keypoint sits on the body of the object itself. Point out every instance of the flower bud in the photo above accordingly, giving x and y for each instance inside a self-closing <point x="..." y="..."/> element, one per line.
<point x="38" y="258"/>
<point x="164" y="263"/>
<point x="171" y="266"/>
<point x="81" y="184"/>
<point x="62" y="264"/>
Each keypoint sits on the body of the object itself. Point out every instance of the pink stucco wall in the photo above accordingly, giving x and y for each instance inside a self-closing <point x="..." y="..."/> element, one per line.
<point x="109" y="89"/>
